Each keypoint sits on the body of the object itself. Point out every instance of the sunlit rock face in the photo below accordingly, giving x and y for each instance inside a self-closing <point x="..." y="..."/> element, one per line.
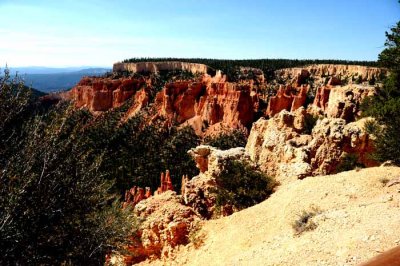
<point x="282" y="149"/>
<point x="155" y="67"/>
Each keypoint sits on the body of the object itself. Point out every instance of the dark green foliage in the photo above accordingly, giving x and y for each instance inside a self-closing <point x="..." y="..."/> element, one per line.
<point x="390" y="57"/>
<point x="372" y="127"/>
<point x="387" y="141"/>
<point x="241" y="185"/>
<point x="225" y="141"/>
<point x="348" y="162"/>
<point x="55" y="207"/>
<point x="359" y="79"/>
<point x="385" y="107"/>
<point x="372" y="81"/>
<point x="309" y="123"/>
<point x="63" y="172"/>
<point x="137" y="153"/>
<point x="268" y="66"/>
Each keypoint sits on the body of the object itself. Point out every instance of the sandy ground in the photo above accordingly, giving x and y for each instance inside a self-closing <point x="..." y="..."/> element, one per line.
<point x="359" y="218"/>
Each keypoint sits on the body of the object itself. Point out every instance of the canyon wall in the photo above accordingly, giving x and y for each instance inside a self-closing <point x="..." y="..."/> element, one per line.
<point x="102" y="94"/>
<point x="155" y="67"/>
<point x="211" y="104"/>
<point x="207" y="106"/>
<point x="323" y="70"/>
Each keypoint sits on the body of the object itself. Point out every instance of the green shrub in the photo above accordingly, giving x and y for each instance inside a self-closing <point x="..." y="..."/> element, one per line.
<point x="226" y="141"/>
<point x="240" y="185"/>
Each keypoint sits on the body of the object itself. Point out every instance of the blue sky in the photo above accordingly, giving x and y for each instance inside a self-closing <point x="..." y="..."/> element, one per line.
<point x="99" y="33"/>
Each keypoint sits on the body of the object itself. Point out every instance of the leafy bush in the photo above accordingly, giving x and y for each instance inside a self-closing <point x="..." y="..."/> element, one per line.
<point x="226" y="141"/>
<point x="241" y="185"/>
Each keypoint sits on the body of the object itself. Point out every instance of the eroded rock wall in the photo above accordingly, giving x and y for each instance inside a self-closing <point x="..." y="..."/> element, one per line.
<point x="282" y="150"/>
<point x="102" y="94"/>
<point x="155" y="67"/>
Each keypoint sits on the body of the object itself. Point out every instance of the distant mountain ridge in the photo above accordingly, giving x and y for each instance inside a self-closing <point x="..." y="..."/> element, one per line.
<point x="47" y="79"/>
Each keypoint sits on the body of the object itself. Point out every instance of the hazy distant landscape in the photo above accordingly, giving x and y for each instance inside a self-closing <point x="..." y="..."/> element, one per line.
<point x="47" y="79"/>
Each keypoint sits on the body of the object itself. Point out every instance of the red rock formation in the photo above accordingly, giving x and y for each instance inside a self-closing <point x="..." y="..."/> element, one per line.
<point x="148" y="193"/>
<point x="135" y="195"/>
<point x="165" y="183"/>
<point x="202" y="104"/>
<point x="322" y="97"/>
<point x="102" y="94"/>
<point x="287" y="98"/>
<point x="208" y="103"/>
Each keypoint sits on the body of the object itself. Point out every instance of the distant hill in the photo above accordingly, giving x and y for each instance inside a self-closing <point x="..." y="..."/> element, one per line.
<point x="55" y="79"/>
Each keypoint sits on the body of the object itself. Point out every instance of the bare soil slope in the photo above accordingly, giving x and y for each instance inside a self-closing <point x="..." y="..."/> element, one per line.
<point x="359" y="218"/>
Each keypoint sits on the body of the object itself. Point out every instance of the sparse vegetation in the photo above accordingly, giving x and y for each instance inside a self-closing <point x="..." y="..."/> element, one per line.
<point x="309" y="123"/>
<point x="241" y="185"/>
<point x="348" y="162"/>
<point x="304" y="221"/>
<point x="196" y="236"/>
<point x="384" y="180"/>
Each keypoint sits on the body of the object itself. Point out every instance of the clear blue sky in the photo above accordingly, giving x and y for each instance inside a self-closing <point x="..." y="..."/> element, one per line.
<point x="98" y="33"/>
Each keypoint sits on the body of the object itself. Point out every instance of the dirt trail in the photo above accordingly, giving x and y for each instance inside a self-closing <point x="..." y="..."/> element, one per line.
<point x="359" y="217"/>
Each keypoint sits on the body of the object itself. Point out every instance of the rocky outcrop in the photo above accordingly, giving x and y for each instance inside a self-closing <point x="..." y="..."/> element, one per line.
<point x="342" y="101"/>
<point x="321" y="71"/>
<point x="209" y="106"/>
<point x="156" y="67"/>
<point x="137" y="194"/>
<point x="287" y="98"/>
<point x="102" y="94"/>
<point x="168" y="218"/>
<point x="166" y="224"/>
<point x="199" y="192"/>
<point x="281" y="150"/>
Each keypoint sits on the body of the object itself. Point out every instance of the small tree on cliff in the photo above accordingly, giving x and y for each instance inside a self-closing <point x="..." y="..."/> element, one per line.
<point x="385" y="107"/>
